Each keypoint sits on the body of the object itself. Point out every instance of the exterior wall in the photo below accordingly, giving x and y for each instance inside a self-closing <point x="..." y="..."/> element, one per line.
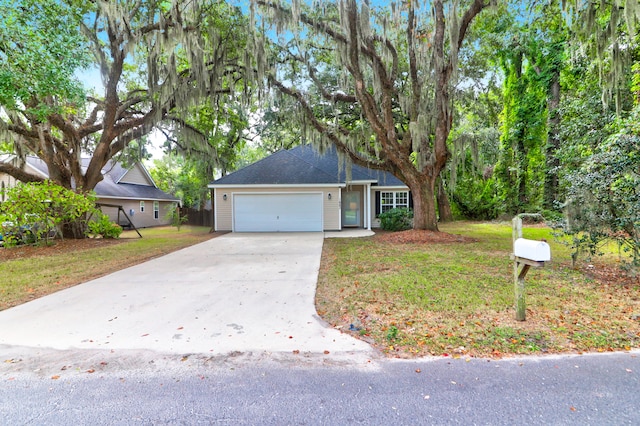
<point x="375" y="222"/>
<point x="140" y="219"/>
<point x="6" y="182"/>
<point x="136" y="176"/>
<point x="223" y="208"/>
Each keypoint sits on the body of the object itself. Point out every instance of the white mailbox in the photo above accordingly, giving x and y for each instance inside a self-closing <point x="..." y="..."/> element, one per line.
<point x="538" y="251"/>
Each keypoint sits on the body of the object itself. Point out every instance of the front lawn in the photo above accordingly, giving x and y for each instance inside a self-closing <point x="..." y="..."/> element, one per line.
<point x="456" y="298"/>
<point x="28" y="272"/>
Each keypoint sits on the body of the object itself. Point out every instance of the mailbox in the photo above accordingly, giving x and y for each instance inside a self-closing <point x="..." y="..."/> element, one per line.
<point x="538" y="251"/>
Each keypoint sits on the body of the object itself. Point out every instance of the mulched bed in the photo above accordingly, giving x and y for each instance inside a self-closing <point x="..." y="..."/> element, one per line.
<point x="413" y="236"/>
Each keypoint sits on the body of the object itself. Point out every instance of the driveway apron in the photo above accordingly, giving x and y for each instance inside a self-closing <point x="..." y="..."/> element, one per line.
<point x="237" y="292"/>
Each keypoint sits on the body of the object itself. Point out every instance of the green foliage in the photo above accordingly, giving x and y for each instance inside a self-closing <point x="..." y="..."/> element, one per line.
<point x="399" y="219"/>
<point x="477" y="199"/>
<point x="186" y="178"/>
<point x="43" y="207"/>
<point x="104" y="227"/>
<point x="177" y="220"/>
<point x="604" y="196"/>
<point x="41" y="48"/>
<point x="392" y="333"/>
<point x="520" y="170"/>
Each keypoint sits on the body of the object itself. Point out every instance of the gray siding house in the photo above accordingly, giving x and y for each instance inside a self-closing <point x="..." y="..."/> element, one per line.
<point x="302" y="190"/>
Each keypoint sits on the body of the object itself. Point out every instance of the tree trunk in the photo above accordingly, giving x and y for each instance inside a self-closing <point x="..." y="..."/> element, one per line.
<point x="444" y="208"/>
<point x="76" y="230"/>
<point x="424" y="205"/>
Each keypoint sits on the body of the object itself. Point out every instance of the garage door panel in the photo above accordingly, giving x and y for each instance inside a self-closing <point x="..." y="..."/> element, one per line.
<point x="289" y="212"/>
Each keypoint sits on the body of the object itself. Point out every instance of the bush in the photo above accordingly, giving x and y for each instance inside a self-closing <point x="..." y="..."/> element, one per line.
<point x="104" y="227"/>
<point x="604" y="198"/>
<point x="477" y="199"/>
<point x="397" y="219"/>
<point x="176" y="219"/>
<point x="41" y="208"/>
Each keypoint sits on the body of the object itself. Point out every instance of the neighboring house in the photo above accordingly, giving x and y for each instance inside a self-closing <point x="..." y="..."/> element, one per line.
<point x="302" y="190"/>
<point x="131" y="188"/>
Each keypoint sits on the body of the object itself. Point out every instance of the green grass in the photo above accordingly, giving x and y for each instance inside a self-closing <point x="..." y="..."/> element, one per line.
<point x="31" y="272"/>
<point x="457" y="298"/>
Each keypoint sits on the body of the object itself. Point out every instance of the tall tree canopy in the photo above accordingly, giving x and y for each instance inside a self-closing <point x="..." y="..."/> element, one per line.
<point x="375" y="82"/>
<point x="155" y="58"/>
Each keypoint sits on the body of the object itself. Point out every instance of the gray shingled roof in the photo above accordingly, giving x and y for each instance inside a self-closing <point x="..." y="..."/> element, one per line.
<point x="304" y="165"/>
<point x="109" y="186"/>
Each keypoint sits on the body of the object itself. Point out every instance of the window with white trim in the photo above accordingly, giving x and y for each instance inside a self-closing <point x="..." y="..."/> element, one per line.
<point x="141" y="206"/>
<point x="156" y="210"/>
<point x="393" y="199"/>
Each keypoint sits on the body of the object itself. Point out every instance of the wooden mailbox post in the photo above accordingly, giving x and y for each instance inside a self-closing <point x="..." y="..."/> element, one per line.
<point x="526" y="253"/>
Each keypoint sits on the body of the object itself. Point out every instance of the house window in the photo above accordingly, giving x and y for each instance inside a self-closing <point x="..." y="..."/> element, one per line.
<point x="141" y="206"/>
<point x="393" y="199"/>
<point x="156" y="210"/>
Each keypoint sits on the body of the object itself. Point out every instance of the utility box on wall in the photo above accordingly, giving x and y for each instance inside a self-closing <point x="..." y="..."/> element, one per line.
<point x="538" y="251"/>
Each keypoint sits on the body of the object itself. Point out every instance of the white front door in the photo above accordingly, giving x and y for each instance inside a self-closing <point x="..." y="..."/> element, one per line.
<point x="283" y="212"/>
<point x="351" y="208"/>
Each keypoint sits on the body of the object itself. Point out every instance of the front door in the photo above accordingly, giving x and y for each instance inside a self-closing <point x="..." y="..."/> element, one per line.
<point x="351" y="208"/>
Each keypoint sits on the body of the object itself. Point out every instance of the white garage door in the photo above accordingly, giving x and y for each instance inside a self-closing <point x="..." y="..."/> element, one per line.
<point x="289" y="212"/>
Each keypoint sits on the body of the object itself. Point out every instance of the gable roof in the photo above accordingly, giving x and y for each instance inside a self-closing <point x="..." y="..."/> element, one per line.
<point x="111" y="186"/>
<point x="304" y="165"/>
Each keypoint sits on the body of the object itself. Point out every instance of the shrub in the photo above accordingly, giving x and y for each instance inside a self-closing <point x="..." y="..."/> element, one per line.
<point x="176" y="219"/>
<point x="604" y="198"/>
<point x="41" y="208"/>
<point x="104" y="227"/>
<point x="477" y="199"/>
<point x="396" y="219"/>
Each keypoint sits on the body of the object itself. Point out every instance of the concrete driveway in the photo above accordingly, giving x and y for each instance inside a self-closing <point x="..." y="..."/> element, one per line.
<point x="237" y="292"/>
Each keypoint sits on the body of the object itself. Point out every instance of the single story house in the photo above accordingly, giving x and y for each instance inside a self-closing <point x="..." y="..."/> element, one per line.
<point x="302" y="190"/>
<point x="132" y="188"/>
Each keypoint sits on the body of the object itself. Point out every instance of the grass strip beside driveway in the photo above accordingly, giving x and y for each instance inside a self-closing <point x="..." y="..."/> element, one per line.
<point x="31" y="271"/>
<point x="457" y="299"/>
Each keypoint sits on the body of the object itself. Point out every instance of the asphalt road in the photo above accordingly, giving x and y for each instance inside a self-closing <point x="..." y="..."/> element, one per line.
<point x="312" y="389"/>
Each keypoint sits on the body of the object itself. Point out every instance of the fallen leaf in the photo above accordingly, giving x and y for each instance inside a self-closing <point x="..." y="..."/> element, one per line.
<point x="296" y="351"/>
<point x="572" y="408"/>
<point x="179" y="328"/>
<point x="184" y="358"/>
<point x="145" y="335"/>
<point x="326" y="352"/>
<point x="91" y="370"/>
<point x="418" y="370"/>
<point x="103" y="363"/>
<point x="56" y="377"/>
